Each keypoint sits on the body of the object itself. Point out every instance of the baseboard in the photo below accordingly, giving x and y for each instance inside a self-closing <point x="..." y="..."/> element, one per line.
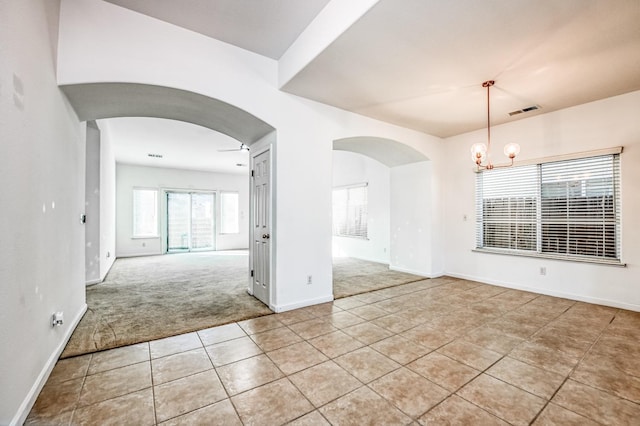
<point x="137" y="254"/>
<point x="30" y="399"/>
<point x="92" y="282"/>
<point x="414" y="272"/>
<point x="571" y="296"/>
<point x="302" y="304"/>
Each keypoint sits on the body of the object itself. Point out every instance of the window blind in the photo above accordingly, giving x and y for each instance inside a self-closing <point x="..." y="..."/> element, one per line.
<point x="564" y="209"/>
<point x="350" y="211"/>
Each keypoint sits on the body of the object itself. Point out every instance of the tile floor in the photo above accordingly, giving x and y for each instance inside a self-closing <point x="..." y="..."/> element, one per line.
<point x="441" y="351"/>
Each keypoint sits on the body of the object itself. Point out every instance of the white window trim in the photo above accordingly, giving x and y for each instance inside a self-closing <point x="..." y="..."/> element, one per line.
<point x="351" y="186"/>
<point x="537" y="254"/>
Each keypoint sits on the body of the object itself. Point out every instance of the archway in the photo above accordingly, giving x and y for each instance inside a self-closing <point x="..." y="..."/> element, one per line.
<point x="100" y="101"/>
<point x="385" y="184"/>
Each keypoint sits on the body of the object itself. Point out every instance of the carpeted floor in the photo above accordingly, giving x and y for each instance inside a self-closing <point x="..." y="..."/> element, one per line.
<point x="354" y="276"/>
<point x="152" y="297"/>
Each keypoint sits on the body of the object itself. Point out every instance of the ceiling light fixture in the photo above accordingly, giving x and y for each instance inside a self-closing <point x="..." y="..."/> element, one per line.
<point x="480" y="153"/>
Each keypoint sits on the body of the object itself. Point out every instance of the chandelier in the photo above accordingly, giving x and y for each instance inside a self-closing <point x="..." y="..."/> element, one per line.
<point x="480" y="153"/>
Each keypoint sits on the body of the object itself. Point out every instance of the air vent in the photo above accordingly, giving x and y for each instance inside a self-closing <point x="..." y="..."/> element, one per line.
<point x="527" y="109"/>
<point x="155" y="155"/>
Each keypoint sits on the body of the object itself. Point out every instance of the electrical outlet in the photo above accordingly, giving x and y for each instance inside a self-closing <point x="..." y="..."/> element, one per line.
<point x="543" y="270"/>
<point x="309" y="279"/>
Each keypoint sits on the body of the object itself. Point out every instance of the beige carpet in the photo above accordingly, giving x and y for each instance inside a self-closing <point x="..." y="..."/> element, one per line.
<point x="354" y="276"/>
<point x="147" y="298"/>
<point x="152" y="297"/>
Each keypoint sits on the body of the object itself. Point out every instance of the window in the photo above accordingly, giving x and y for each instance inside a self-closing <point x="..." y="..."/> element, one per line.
<point x="229" y="213"/>
<point x="350" y="211"/>
<point x="562" y="209"/>
<point x="145" y="213"/>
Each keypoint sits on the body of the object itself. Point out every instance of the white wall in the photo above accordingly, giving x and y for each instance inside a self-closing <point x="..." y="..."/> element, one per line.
<point x="139" y="49"/>
<point x="42" y="156"/>
<point x="606" y="123"/>
<point x="411" y="220"/>
<point x="129" y="177"/>
<point x="92" y="205"/>
<point x="107" y="201"/>
<point x="350" y="168"/>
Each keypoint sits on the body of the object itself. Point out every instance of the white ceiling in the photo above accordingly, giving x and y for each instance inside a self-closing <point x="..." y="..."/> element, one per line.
<point x="421" y="63"/>
<point x="182" y="145"/>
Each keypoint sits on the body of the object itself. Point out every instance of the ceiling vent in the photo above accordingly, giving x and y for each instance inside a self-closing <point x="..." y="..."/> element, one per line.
<point x="527" y="109"/>
<point x="155" y="155"/>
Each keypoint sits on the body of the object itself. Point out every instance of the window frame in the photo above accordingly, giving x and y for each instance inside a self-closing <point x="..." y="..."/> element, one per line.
<point x="538" y="251"/>
<point x="156" y="209"/>
<point x="348" y="188"/>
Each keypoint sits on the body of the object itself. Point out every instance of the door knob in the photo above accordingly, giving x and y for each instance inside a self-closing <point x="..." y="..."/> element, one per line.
<point x="265" y="236"/>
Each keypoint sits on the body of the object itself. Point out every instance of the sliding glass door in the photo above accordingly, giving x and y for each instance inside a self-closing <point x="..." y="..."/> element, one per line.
<point x="190" y="221"/>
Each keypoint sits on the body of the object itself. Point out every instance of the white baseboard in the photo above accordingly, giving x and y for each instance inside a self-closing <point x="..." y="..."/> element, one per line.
<point x="92" y="282"/>
<point x="137" y="254"/>
<point x="415" y="272"/>
<point x="30" y="399"/>
<point x="571" y="296"/>
<point x="302" y="304"/>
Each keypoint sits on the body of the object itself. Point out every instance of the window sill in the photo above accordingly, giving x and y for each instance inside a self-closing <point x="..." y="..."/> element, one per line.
<point x="607" y="262"/>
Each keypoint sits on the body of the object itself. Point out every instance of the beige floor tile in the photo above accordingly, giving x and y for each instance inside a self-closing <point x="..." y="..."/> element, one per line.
<point x="174" y="345"/>
<point x="348" y="303"/>
<point x="367" y="332"/>
<point x="54" y="399"/>
<point x="597" y="405"/>
<point x="395" y="323"/>
<point x="322" y="309"/>
<point x="492" y="339"/>
<point x="232" y="351"/>
<point x="446" y="372"/>
<point x="248" y="374"/>
<point x="211" y="336"/>
<point x="274" y="403"/>
<point x="187" y="394"/>
<point x="136" y="407"/>
<point x="527" y="377"/>
<point x="363" y="407"/>
<point x="275" y="339"/>
<point x="313" y="328"/>
<point x="410" y="392"/>
<point x="256" y="325"/>
<point x="456" y="411"/>
<point x="428" y="337"/>
<point x="553" y="339"/>
<point x="336" y="343"/>
<point x="296" y="357"/>
<point x="366" y="364"/>
<point x="114" y="383"/>
<point x="470" y="354"/>
<point x="119" y="357"/>
<point x="554" y="415"/>
<point x="180" y="365"/>
<point x="513" y="328"/>
<point x="543" y="357"/>
<point x="503" y="400"/>
<point x="400" y="350"/>
<point x="344" y="319"/>
<point x="293" y="317"/>
<point x="49" y="418"/>
<point x="69" y="368"/>
<point x="368" y="312"/>
<point x="220" y="413"/>
<point x="324" y="382"/>
<point x="313" y="418"/>
<point x="605" y="374"/>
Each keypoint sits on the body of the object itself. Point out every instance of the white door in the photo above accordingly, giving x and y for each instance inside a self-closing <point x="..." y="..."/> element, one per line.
<point x="261" y="227"/>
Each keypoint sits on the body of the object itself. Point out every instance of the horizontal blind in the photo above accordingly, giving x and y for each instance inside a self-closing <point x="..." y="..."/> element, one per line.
<point x="580" y="207"/>
<point x="350" y="211"/>
<point x="506" y="208"/>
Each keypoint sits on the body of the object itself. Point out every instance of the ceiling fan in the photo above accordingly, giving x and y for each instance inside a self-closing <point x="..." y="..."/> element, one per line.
<point x="243" y="147"/>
